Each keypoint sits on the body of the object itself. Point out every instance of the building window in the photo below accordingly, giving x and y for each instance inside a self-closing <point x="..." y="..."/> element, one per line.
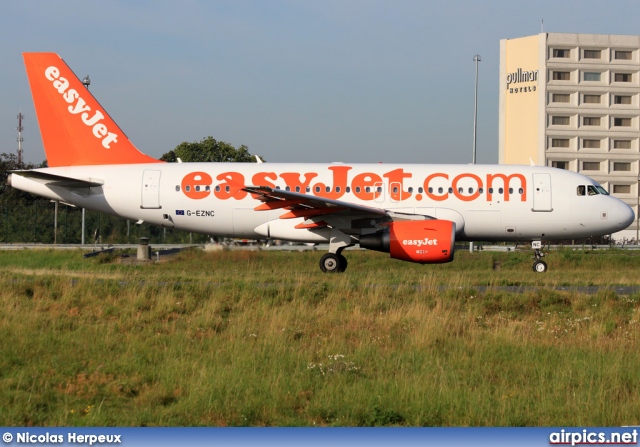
<point x="622" y="144"/>
<point x="560" y="120"/>
<point x="621" y="189"/>
<point x="622" y="122"/>
<point x="622" y="77"/>
<point x="618" y="166"/>
<point x="591" y="76"/>
<point x="590" y="120"/>
<point x="590" y="165"/>
<point x="559" y="142"/>
<point x="623" y="55"/>
<point x="592" y="54"/>
<point x="591" y="99"/>
<point x="622" y="99"/>
<point x="560" y="97"/>
<point x="561" y="76"/>
<point x="560" y="164"/>
<point x="558" y="52"/>
<point x="591" y="144"/>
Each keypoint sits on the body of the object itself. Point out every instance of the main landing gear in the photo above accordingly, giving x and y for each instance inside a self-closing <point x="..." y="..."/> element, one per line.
<point x="334" y="262"/>
<point x="539" y="266"/>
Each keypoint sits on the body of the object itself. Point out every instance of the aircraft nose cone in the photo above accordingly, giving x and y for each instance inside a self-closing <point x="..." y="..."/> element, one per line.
<point x="624" y="215"/>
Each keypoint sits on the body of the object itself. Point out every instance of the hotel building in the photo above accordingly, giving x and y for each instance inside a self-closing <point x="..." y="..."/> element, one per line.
<point x="571" y="101"/>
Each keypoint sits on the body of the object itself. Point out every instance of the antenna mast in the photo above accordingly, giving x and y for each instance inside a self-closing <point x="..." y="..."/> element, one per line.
<point x="20" y="139"/>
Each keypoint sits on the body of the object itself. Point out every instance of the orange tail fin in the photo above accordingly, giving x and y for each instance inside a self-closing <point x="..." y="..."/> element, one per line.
<point x="75" y="128"/>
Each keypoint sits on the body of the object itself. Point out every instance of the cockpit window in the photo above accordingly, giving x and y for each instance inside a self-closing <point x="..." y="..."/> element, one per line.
<point x="592" y="190"/>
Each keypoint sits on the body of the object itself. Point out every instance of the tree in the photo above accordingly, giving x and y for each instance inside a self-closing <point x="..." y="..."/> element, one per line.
<point x="207" y="150"/>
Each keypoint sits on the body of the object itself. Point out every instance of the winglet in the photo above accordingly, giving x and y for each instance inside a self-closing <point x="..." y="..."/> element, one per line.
<point x="75" y="129"/>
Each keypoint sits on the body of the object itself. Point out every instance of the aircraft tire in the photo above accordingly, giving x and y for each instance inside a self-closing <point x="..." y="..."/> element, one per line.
<point x="539" y="266"/>
<point x="330" y="263"/>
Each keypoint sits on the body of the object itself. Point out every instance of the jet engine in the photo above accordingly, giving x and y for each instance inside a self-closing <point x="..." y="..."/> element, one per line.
<point x="422" y="241"/>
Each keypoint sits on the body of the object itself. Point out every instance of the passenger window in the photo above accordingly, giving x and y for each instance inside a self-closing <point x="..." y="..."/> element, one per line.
<point x="410" y="190"/>
<point x="308" y="188"/>
<point x="490" y="190"/>
<point x="367" y="189"/>
<point x="348" y="189"/>
<point x="470" y="190"/>
<point x="460" y="190"/>
<point x="227" y="189"/>
<point x="450" y="190"/>
<point x="480" y="190"/>
<point x="337" y="189"/>
<point x="188" y="188"/>
<point x="327" y="188"/>
<point x="379" y="189"/>
<point x="218" y="188"/>
<point x="358" y="189"/>
<point x="420" y="190"/>
<point x="197" y="187"/>
<point x="500" y="190"/>
<point x="510" y="190"/>
<point x="580" y="191"/>
<point x="297" y="189"/>
<point x="287" y="188"/>
<point x="317" y="189"/>
<point x="207" y="188"/>
<point x="440" y="190"/>
<point x="177" y="188"/>
<point x="520" y="191"/>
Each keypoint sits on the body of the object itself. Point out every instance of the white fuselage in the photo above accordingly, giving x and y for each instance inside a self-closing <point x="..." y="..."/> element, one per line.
<point x="487" y="202"/>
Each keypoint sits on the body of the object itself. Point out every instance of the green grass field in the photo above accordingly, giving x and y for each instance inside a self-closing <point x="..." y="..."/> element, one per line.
<point x="266" y="339"/>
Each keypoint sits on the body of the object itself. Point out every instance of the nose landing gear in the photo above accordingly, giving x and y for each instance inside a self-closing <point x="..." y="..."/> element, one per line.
<point x="539" y="266"/>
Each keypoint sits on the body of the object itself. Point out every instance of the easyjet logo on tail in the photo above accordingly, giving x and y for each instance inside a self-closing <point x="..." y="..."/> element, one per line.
<point x="89" y="118"/>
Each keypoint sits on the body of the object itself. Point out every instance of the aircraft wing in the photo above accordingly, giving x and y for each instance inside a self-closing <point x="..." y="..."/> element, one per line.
<point x="295" y="204"/>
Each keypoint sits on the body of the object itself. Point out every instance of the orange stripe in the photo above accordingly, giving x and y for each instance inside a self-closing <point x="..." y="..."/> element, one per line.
<point x="276" y="204"/>
<point x="310" y="212"/>
<point x="305" y="226"/>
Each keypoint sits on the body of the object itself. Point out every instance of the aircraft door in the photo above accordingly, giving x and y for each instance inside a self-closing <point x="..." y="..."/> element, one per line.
<point x="542" y="192"/>
<point x="151" y="189"/>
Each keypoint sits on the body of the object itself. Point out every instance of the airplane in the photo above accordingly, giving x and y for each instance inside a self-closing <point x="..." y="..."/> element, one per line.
<point x="414" y="212"/>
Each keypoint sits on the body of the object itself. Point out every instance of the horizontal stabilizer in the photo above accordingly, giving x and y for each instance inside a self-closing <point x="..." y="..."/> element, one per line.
<point x="58" y="180"/>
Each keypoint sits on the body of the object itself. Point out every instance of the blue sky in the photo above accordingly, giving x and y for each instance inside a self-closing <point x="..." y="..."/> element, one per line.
<point x="295" y="81"/>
